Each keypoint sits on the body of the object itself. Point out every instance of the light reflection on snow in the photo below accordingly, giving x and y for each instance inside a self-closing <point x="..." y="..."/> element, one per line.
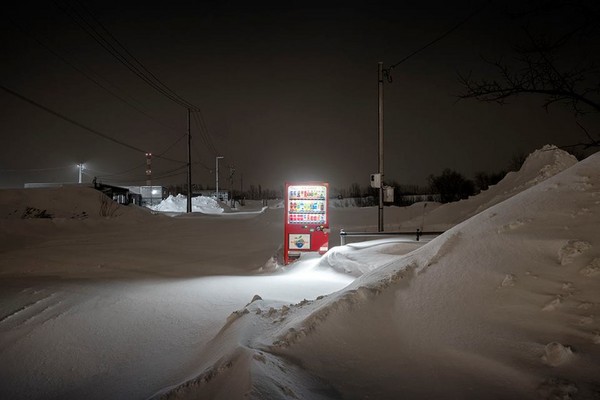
<point x="308" y="269"/>
<point x="303" y="279"/>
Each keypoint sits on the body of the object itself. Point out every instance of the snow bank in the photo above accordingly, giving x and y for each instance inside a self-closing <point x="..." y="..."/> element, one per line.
<point x="68" y="202"/>
<point x="503" y="305"/>
<point x="539" y="166"/>
<point x="356" y="259"/>
<point x="203" y="204"/>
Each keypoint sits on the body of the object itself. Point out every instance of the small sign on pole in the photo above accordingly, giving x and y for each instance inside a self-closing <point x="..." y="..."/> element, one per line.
<point x="376" y="181"/>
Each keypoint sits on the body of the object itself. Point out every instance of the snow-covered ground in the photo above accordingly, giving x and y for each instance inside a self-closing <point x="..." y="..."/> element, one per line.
<point x="100" y="301"/>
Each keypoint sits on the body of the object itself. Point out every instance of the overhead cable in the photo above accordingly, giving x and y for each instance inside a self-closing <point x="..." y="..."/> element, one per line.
<point x="80" y="125"/>
<point x="388" y="71"/>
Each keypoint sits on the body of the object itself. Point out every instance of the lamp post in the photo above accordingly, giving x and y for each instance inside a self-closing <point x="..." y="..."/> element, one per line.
<point x="80" y="166"/>
<point x="217" y="175"/>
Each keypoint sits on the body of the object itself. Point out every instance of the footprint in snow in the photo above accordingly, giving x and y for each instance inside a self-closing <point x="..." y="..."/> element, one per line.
<point x="592" y="269"/>
<point x="582" y="186"/>
<point x="568" y="287"/>
<point x="514" y="225"/>
<point x="508" y="281"/>
<point x="556" y="354"/>
<point x="554" y="388"/>
<point x="552" y="305"/>
<point x="572" y="249"/>
<point x="585" y="305"/>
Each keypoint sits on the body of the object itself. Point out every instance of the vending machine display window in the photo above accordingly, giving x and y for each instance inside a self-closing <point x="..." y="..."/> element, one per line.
<point x="306" y="219"/>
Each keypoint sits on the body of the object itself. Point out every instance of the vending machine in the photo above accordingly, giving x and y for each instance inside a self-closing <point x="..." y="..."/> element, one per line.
<point x="306" y="219"/>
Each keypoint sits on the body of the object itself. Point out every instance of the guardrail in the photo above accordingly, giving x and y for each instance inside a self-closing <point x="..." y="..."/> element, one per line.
<point x="418" y="233"/>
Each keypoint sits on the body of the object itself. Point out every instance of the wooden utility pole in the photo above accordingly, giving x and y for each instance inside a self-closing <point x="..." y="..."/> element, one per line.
<point x="189" y="172"/>
<point x="380" y="141"/>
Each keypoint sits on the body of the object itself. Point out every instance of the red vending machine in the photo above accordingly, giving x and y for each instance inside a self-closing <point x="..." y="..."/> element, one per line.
<point x="306" y="219"/>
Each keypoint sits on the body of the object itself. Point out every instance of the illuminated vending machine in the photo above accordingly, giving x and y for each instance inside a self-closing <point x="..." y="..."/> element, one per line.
<point x="306" y="219"/>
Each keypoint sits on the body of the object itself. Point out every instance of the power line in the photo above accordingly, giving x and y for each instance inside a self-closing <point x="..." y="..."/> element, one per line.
<point x="37" y="169"/>
<point x="167" y="174"/>
<point x="80" y="125"/>
<point x="88" y="76"/>
<point x="162" y="153"/>
<point x="198" y="154"/>
<point x="203" y="134"/>
<point x="141" y="165"/>
<point x="123" y="172"/>
<point x="110" y="43"/>
<point x="388" y="71"/>
<point x="117" y="50"/>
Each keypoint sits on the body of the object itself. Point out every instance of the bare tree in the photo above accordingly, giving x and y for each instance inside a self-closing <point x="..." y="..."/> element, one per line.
<point x="557" y="60"/>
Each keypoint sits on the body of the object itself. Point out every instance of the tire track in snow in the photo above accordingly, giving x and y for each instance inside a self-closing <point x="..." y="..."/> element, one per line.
<point x="33" y="311"/>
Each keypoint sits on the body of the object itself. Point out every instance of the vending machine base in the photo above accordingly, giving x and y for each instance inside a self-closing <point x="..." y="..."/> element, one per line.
<point x="292" y="256"/>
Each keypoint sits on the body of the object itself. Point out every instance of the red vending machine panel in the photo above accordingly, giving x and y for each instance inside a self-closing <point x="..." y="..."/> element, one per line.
<point x="306" y="219"/>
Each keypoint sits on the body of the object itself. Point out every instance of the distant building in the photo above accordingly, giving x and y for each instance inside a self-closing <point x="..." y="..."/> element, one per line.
<point x="149" y="195"/>
<point x="119" y="194"/>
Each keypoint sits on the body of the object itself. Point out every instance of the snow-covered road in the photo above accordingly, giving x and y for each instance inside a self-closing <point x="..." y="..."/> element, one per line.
<point x="145" y="334"/>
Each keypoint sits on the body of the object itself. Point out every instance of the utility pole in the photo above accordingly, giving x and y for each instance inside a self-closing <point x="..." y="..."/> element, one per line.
<point x="149" y="177"/>
<point x="189" y="174"/>
<point x="148" y="169"/>
<point x="231" y="172"/>
<point x="217" y="175"/>
<point x="380" y="141"/>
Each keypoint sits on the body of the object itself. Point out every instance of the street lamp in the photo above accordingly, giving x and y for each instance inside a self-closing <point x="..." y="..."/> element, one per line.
<point x="80" y="166"/>
<point x="217" y="175"/>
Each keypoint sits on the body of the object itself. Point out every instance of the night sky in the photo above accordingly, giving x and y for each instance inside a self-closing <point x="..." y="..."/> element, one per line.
<point x="286" y="91"/>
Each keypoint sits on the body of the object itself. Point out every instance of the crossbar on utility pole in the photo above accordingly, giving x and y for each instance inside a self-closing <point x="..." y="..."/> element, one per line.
<point x="380" y="227"/>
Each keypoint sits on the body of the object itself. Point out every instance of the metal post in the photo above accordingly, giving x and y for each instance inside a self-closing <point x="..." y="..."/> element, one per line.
<point x="80" y="170"/>
<point x="217" y="175"/>
<point x="189" y="174"/>
<point x="149" y="177"/>
<point x="380" y="141"/>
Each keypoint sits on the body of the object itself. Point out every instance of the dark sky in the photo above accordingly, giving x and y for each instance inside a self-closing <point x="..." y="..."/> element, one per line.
<point x="286" y="92"/>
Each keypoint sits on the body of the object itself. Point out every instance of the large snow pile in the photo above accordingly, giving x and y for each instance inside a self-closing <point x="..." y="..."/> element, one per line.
<point x="502" y="306"/>
<point x="203" y="204"/>
<point x="539" y="165"/>
<point x="68" y="202"/>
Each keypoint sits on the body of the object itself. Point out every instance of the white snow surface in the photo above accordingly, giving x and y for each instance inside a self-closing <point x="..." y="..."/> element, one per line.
<point x="100" y="301"/>
<point x="203" y="204"/>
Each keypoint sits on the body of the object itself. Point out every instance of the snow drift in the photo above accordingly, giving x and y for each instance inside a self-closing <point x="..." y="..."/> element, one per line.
<point x="501" y="306"/>
<point x="538" y="166"/>
<point x="121" y="302"/>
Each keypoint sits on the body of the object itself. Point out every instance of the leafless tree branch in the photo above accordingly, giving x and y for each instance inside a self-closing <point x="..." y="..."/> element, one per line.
<point x="543" y="65"/>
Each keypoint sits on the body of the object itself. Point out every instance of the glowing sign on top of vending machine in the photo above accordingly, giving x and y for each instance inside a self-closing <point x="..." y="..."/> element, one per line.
<point x="306" y="219"/>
